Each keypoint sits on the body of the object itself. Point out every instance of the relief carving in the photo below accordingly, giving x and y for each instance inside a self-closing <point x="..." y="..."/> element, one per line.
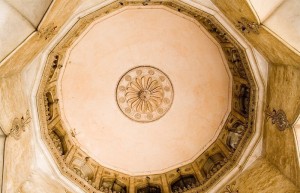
<point x="184" y="183"/>
<point x="213" y="164"/>
<point x="279" y="119"/>
<point x="149" y="187"/>
<point x="19" y="125"/>
<point x="83" y="169"/>
<point x="231" y="189"/>
<point x="220" y="35"/>
<point x="54" y="66"/>
<point x="112" y="186"/>
<point x="59" y="140"/>
<point x="234" y="58"/>
<point x="49" y="104"/>
<point x="235" y="134"/>
<point x="144" y="94"/>
<point x="242" y="99"/>
<point x="246" y="26"/>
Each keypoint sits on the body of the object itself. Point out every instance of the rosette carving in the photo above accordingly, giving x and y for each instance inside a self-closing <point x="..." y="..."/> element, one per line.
<point x="144" y="94"/>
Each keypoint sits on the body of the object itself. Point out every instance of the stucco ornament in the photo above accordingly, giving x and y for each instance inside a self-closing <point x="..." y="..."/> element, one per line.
<point x="279" y="119"/>
<point x="18" y="126"/>
<point x="231" y="188"/>
<point x="144" y="94"/>
<point x="246" y="26"/>
<point x="48" y="31"/>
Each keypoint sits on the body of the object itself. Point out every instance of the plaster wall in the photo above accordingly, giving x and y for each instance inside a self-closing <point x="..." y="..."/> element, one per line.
<point x="32" y="10"/>
<point x="261" y="177"/>
<point x="17" y="153"/>
<point x="282" y="17"/>
<point x="18" y="19"/>
<point x="280" y="146"/>
<point x="265" y="8"/>
<point x="19" y="161"/>
<point x="39" y="182"/>
<point x="296" y="128"/>
<point x="2" y="148"/>
<point x="15" y="29"/>
<point x="283" y="88"/>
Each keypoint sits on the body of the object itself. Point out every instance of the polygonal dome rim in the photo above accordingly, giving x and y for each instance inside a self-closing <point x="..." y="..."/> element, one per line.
<point x="83" y="182"/>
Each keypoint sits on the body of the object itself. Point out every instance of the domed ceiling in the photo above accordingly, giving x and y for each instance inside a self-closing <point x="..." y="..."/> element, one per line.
<point x="156" y="98"/>
<point x="103" y="86"/>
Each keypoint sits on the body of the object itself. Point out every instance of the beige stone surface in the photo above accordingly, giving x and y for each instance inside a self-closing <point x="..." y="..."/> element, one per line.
<point x="263" y="177"/>
<point x="296" y="128"/>
<point x="283" y="89"/>
<point x="173" y="44"/>
<point x="18" y="154"/>
<point x="14" y="29"/>
<point x="285" y="22"/>
<point x="32" y="10"/>
<point x="2" y="145"/>
<point x="39" y="182"/>
<point x="19" y="161"/>
<point x="272" y="48"/>
<point x="58" y="13"/>
<point x="13" y="101"/>
<point x="280" y="147"/>
<point x="265" y="8"/>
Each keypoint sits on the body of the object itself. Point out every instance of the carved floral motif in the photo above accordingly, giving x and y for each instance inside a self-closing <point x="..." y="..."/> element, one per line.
<point x="279" y="119"/>
<point x="246" y="26"/>
<point x="144" y="94"/>
<point x="231" y="188"/>
<point x="18" y="126"/>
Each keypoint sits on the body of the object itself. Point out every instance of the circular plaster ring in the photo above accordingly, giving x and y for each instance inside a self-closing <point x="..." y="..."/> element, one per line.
<point x="144" y="94"/>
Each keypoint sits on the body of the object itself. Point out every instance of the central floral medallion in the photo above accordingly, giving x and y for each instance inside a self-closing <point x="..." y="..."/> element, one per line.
<point x="144" y="94"/>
